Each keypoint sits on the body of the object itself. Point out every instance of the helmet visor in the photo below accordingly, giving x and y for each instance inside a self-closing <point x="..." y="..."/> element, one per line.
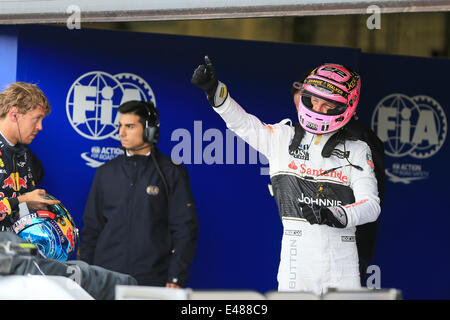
<point x="321" y="105"/>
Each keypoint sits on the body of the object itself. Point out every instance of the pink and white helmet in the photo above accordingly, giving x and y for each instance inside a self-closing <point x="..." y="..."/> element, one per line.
<point x="333" y="83"/>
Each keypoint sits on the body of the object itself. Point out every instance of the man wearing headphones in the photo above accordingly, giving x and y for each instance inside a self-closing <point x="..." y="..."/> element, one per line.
<point x="23" y="106"/>
<point x="140" y="216"/>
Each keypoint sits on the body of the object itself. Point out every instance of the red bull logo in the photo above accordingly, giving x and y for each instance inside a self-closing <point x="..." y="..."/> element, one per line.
<point x="9" y="182"/>
<point x="21" y="183"/>
<point x="69" y="235"/>
<point x="5" y="207"/>
<point x="15" y="182"/>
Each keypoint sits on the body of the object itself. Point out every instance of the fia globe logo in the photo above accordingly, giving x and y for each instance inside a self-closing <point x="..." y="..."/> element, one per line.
<point x="91" y="108"/>
<point x="94" y="97"/>
<point x="409" y="126"/>
<point x="414" y="126"/>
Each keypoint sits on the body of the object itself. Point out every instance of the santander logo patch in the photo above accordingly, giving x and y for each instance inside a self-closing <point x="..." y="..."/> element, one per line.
<point x="319" y="172"/>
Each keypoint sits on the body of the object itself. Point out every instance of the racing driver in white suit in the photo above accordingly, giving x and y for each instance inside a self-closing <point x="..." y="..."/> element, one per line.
<point x="322" y="178"/>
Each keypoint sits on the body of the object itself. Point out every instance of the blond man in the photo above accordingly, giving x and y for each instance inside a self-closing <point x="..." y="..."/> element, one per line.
<point x="23" y="106"/>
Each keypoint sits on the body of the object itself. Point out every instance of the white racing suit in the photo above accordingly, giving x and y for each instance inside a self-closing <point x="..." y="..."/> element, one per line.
<point x="313" y="257"/>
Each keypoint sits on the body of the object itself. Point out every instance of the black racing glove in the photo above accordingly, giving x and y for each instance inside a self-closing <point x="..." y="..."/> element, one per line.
<point x="205" y="78"/>
<point x="333" y="216"/>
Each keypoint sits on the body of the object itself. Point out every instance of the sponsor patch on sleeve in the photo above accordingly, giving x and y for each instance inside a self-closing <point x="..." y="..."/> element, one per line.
<point x="369" y="160"/>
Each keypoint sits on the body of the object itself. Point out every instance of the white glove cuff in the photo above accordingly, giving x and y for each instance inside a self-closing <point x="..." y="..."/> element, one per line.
<point x="220" y="95"/>
<point x="340" y="215"/>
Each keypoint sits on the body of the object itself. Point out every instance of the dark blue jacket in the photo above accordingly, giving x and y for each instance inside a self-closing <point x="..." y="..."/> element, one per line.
<point x="132" y="226"/>
<point x="20" y="171"/>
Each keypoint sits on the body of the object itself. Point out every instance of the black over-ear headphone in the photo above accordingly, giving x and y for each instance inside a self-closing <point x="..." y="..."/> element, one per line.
<point x="151" y="134"/>
<point x="151" y="129"/>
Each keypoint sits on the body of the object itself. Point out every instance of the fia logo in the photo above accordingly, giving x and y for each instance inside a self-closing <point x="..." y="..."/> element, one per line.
<point x="94" y="97"/>
<point x="414" y="126"/>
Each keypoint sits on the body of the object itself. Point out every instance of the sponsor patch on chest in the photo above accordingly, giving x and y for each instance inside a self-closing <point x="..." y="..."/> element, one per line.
<point x="318" y="173"/>
<point x="152" y="190"/>
<point x="295" y="233"/>
<point x="348" y="238"/>
<point x="301" y="152"/>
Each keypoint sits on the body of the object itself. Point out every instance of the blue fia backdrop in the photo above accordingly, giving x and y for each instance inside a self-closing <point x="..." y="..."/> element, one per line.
<point x="408" y="106"/>
<point x="239" y="227"/>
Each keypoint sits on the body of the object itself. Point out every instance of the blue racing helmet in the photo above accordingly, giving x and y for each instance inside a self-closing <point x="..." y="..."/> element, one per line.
<point x="52" y="230"/>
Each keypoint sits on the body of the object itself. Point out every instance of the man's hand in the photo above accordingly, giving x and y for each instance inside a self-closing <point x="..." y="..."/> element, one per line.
<point x="311" y="213"/>
<point x="36" y="200"/>
<point x="172" y="285"/>
<point x="334" y="216"/>
<point x="205" y="78"/>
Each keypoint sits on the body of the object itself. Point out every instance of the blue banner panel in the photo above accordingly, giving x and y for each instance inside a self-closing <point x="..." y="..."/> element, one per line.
<point x="406" y="102"/>
<point x="8" y="55"/>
